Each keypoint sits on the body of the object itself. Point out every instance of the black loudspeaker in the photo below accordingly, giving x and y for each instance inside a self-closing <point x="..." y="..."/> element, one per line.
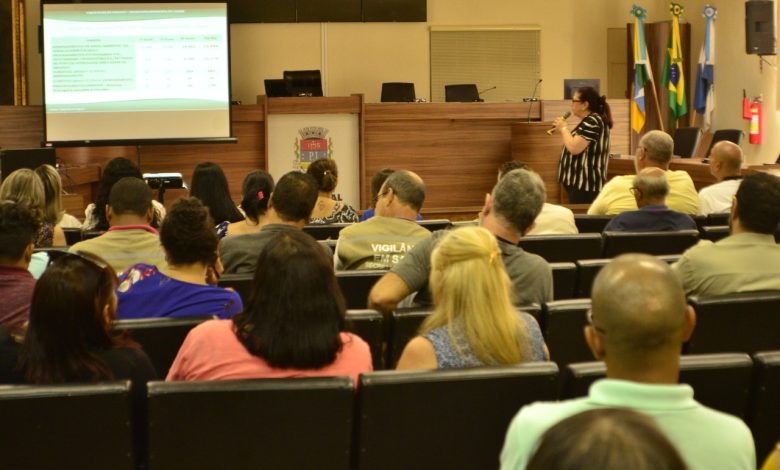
<point x="760" y="27"/>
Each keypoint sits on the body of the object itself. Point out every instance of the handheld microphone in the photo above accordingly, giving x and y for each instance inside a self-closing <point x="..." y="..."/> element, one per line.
<point x="565" y="115"/>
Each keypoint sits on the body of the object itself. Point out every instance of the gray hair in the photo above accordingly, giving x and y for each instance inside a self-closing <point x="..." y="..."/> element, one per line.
<point x="518" y="198"/>
<point x="409" y="188"/>
<point x="652" y="185"/>
<point x="658" y="146"/>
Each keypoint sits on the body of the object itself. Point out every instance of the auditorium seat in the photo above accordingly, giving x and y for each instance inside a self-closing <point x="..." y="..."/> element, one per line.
<point x="368" y="324"/>
<point x="591" y="223"/>
<point x="652" y="243"/>
<point x="89" y="234"/>
<point x="564" y="280"/>
<point x="266" y="423"/>
<point x="764" y="413"/>
<point x="720" y="381"/>
<point x="714" y="233"/>
<point x="562" y="323"/>
<point x="718" y="219"/>
<point x="404" y="324"/>
<point x="745" y="322"/>
<point x="453" y="419"/>
<point x="563" y="248"/>
<point x="241" y="283"/>
<point x="67" y="426"/>
<point x="160" y="338"/>
<point x="52" y="252"/>
<point x="355" y="285"/>
<point x="587" y="269"/>
<point x="435" y="224"/>
<point x="326" y="231"/>
<point x="72" y="235"/>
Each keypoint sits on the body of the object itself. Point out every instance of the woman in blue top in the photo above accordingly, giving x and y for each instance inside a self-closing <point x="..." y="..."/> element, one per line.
<point x="184" y="288"/>
<point x="474" y="322"/>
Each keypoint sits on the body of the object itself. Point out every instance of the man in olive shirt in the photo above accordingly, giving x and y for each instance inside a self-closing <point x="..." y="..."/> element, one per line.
<point x="508" y="213"/>
<point x="383" y="240"/>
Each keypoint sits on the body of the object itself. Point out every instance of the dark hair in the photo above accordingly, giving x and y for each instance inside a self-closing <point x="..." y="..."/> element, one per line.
<point x="295" y="311"/>
<point x="67" y="324"/>
<point x="130" y="195"/>
<point x="607" y="439"/>
<point x="506" y="167"/>
<point x="758" y="202"/>
<point x="18" y="229"/>
<point x="409" y="189"/>
<point x="254" y="183"/>
<point x="377" y="181"/>
<point x="596" y="103"/>
<point x="210" y="185"/>
<point x="294" y="197"/>
<point x="187" y="233"/>
<point x="325" y="173"/>
<point x="115" y="170"/>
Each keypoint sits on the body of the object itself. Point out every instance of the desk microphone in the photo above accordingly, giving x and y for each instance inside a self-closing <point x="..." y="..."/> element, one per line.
<point x="565" y="115"/>
<point x="532" y="99"/>
<point x="486" y="89"/>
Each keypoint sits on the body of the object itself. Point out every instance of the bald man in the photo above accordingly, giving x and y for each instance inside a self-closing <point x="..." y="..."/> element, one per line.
<point x="726" y="166"/>
<point x="639" y="321"/>
<point x="650" y="190"/>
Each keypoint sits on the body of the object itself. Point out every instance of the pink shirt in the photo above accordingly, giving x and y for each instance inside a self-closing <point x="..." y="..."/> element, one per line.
<point x="211" y="351"/>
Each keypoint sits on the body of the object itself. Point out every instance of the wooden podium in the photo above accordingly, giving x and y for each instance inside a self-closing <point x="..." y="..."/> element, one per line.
<point x="532" y="145"/>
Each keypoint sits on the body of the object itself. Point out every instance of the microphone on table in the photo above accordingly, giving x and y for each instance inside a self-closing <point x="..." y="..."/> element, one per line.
<point x="565" y="115"/>
<point x="532" y="99"/>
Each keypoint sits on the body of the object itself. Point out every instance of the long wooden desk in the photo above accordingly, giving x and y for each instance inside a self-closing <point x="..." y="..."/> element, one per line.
<point x="699" y="171"/>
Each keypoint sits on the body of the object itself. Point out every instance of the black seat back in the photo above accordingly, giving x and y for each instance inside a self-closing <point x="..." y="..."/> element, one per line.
<point x="454" y="419"/>
<point x="398" y="92"/>
<point x="368" y="324"/>
<point x="745" y="322"/>
<point x="652" y="243"/>
<point x="563" y="322"/>
<point x="264" y="423"/>
<point x="326" y="231"/>
<point x="160" y="338"/>
<point x="67" y="426"/>
<point x="587" y="269"/>
<point x="719" y="381"/>
<point x="732" y="135"/>
<point x="721" y="218"/>
<point x="714" y="233"/>
<point x="461" y="93"/>
<point x="686" y="139"/>
<point x="241" y="283"/>
<point x="764" y="407"/>
<point x="72" y="235"/>
<point x="405" y="323"/>
<point x="591" y="223"/>
<point x="564" y="280"/>
<point x="355" y="285"/>
<point x="563" y="248"/>
<point x="435" y="224"/>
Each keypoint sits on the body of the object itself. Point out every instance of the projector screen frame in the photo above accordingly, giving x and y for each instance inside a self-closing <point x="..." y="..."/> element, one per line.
<point x="227" y="121"/>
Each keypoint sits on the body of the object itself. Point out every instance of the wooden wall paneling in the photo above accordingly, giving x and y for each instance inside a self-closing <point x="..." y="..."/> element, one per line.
<point x="21" y="127"/>
<point x="532" y="145"/>
<point x="620" y="134"/>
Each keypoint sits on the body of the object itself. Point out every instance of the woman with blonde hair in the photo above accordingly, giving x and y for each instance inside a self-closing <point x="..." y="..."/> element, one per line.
<point x="24" y="187"/>
<point x="52" y="192"/>
<point x="474" y="322"/>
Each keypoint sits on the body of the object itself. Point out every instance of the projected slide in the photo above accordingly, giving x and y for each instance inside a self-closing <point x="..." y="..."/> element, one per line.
<point x="136" y="71"/>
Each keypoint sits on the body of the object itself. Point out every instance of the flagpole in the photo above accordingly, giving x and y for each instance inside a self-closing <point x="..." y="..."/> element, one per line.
<point x="658" y="107"/>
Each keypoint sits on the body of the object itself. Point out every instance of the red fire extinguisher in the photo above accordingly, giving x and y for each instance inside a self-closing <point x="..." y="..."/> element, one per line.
<point x="756" y="121"/>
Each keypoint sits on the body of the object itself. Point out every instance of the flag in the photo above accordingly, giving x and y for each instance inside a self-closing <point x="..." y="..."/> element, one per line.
<point x="642" y="71"/>
<point x="704" y="100"/>
<point x="673" y="76"/>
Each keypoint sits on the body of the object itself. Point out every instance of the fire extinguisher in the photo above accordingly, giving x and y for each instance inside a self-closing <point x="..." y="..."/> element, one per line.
<point x="756" y="121"/>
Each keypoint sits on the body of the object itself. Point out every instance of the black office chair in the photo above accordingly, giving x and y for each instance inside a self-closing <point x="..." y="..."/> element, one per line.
<point x="268" y="423"/>
<point x="454" y="419"/>
<point x="686" y="139"/>
<point x="732" y="135"/>
<point x="764" y="410"/>
<point x="398" y="92"/>
<point x="67" y="426"/>
<point x="464" y="93"/>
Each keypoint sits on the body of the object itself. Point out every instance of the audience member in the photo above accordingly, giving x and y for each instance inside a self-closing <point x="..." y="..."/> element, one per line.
<point x="553" y="219"/>
<point x="69" y="336"/>
<point x="329" y="210"/>
<point x="116" y="169"/>
<point x="638" y="323"/>
<point x="376" y="184"/>
<point x="748" y="259"/>
<point x="293" y="325"/>
<point x="289" y="208"/>
<point x="210" y="185"/>
<point x="183" y="288"/>
<point x="383" y="240"/>
<point x="650" y="189"/>
<point x="52" y="192"/>
<point x="508" y="214"/>
<point x="130" y="238"/>
<point x="726" y="166"/>
<point x="18" y="229"/>
<point x="474" y="322"/>
<point x="655" y="150"/>
<point x="25" y="188"/>
<point x="257" y="188"/>
<point x="606" y="439"/>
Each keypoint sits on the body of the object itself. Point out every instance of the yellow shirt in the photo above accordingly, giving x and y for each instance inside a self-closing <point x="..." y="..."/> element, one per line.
<point x="615" y="197"/>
